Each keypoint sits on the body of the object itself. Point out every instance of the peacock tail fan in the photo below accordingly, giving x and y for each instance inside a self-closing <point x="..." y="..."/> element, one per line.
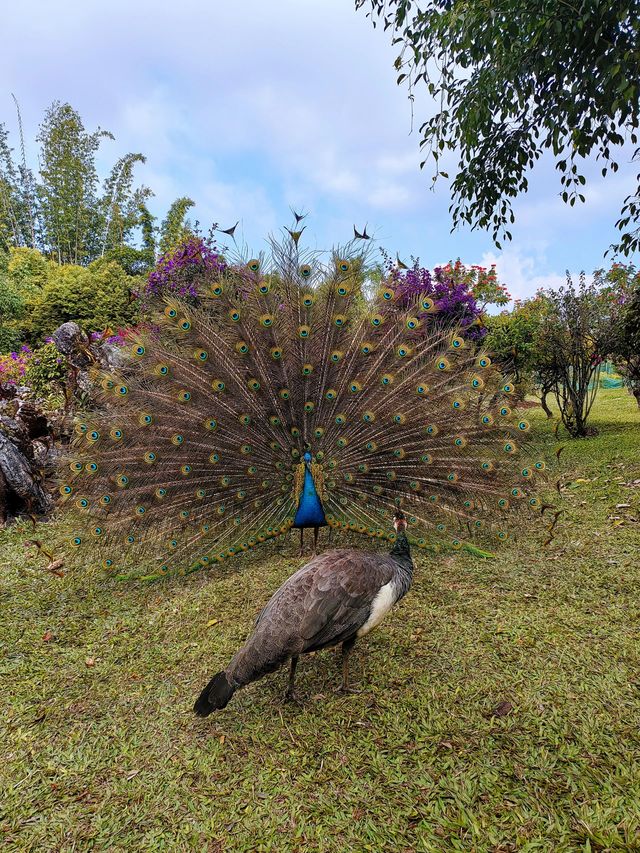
<point x="195" y="450"/>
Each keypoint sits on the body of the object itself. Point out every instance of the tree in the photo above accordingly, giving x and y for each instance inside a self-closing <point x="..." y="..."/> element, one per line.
<point x="175" y="228"/>
<point x="574" y="338"/>
<point x="511" y="79"/>
<point x="624" y="346"/>
<point x="513" y="341"/>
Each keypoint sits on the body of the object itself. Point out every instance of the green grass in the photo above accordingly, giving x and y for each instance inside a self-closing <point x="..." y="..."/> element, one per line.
<point x="110" y="757"/>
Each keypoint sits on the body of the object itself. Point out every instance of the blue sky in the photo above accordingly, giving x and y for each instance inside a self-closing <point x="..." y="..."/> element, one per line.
<point x="253" y="107"/>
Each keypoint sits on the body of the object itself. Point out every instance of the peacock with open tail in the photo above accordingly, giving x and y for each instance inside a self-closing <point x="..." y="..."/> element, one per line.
<point x="276" y="395"/>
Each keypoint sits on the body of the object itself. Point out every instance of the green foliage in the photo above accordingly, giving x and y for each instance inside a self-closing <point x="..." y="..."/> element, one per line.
<point x="46" y="373"/>
<point x="512" y="79"/>
<point x="512" y="339"/>
<point x="96" y="297"/>
<point x="11" y="307"/>
<point x="175" y="228"/>
<point x="624" y="344"/>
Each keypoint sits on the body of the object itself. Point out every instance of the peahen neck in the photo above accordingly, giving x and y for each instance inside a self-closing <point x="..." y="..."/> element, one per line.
<point x="401" y="554"/>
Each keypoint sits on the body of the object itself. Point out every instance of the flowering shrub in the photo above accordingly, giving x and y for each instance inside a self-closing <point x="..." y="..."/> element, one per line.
<point x="43" y="371"/>
<point x="14" y="365"/>
<point x="460" y="293"/>
<point x="182" y="269"/>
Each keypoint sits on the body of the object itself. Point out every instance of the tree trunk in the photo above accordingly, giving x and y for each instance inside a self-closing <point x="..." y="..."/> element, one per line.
<point x="545" y="405"/>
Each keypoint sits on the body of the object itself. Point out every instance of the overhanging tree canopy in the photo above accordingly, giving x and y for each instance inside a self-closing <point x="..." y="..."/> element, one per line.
<point x="513" y="78"/>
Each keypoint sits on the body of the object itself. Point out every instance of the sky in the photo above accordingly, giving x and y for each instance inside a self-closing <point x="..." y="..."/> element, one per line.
<point x="253" y="108"/>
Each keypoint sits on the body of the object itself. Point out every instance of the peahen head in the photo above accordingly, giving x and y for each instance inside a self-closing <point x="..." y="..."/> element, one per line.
<point x="399" y="521"/>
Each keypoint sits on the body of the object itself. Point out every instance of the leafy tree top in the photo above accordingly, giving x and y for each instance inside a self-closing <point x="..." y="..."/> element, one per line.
<point x="513" y="78"/>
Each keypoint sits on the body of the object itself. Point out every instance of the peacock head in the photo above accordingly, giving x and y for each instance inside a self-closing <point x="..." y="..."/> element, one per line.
<point x="399" y="521"/>
<point x="307" y="456"/>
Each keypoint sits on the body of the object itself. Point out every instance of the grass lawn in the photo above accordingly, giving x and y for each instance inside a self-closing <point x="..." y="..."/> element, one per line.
<point x="100" y="750"/>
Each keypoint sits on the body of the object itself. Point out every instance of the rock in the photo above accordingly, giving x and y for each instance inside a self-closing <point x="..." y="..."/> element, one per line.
<point x="19" y="486"/>
<point x="111" y="356"/>
<point x="71" y="341"/>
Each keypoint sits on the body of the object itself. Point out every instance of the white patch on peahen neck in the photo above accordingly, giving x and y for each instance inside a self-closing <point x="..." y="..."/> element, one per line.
<point x="382" y="604"/>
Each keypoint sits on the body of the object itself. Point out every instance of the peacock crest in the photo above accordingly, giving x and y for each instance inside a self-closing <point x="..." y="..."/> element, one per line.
<point x="279" y="368"/>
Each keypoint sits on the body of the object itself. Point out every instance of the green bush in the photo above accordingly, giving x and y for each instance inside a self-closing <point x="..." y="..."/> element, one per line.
<point x="96" y="297"/>
<point x="46" y="372"/>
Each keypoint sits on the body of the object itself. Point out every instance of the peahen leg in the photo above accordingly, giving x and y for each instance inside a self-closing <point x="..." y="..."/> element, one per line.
<point x="301" y="541"/>
<point x="316" y="531"/>
<point x="290" y="695"/>
<point x="347" y="648"/>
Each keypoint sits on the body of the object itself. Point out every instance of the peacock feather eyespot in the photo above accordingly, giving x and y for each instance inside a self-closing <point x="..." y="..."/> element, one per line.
<point x="318" y="432"/>
<point x="355" y="387"/>
<point x="93" y="436"/>
<point x="307" y="300"/>
<point x="505" y="411"/>
<point x="487" y="465"/>
<point x="76" y="541"/>
<point x="458" y="404"/>
<point x="457" y="342"/>
<point x="140" y="510"/>
<point x="427" y="304"/>
<point x="477" y="382"/>
<point x="82" y="503"/>
<point x="161" y="370"/>
<point x="452" y="477"/>
<point x="387" y="379"/>
<point x="460" y="441"/>
<point x="216" y="291"/>
<point x="107" y="384"/>
<point x="468" y="504"/>
<point x="221" y="509"/>
<point x="534" y="503"/>
<point x="363" y="468"/>
<point x="305" y="270"/>
<point x="478" y="524"/>
<point x="200" y="354"/>
<point x="307" y="369"/>
<point x="251" y="470"/>
<point x="246" y="449"/>
<point x="378" y="490"/>
<point x="150" y="457"/>
<point x="138" y="350"/>
<point x="264" y="287"/>
<point x="527" y="473"/>
<point x="441" y="528"/>
<point x="483" y="361"/>
<point x="434" y="499"/>
<point x="170" y="312"/>
<point x="309" y="406"/>
<point x="523" y="426"/>
<point x="214" y="458"/>
<point x="503" y="503"/>
<point x="184" y="324"/>
<point x="218" y="385"/>
<point x="211" y="424"/>
<point x="204" y="528"/>
<point x="234" y="315"/>
<point x="422" y="390"/>
<point x="65" y="490"/>
<point x="342" y="442"/>
<point x="130" y="540"/>
<point x="412" y="323"/>
<point x="81" y="429"/>
<point x="295" y="431"/>
<point x="369" y="417"/>
<point x="391" y="475"/>
<point x="160" y="493"/>
<point x="403" y="351"/>
<point x="508" y="388"/>
<point x="510" y="447"/>
<point x="421" y="543"/>
<point x="443" y="364"/>
<point x="116" y="434"/>
<point x="336" y="356"/>
<point x="184" y="514"/>
<point x="427" y="458"/>
<point x="414" y="485"/>
<point x="304" y="332"/>
<point x="516" y="492"/>
<point x="284" y="393"/>
<point x="91" y="467"/>
<point x="275" y="353"/>
<point x="348" y="477"/>
<point x="244" y="419"/>
<point x="177" y="439"/>
<point x="339" y="320"/>
<point x="456" y="544"/>
<point x="387" y="294"/>
<point x="486" y="420"/>
<point x="183" y="396"/>
<point x="242" y="348"/>
<point x="344" y="266"/>
<point x="331" y="394"/>
<point x="540" y="466"/>
<point x="431" y="429"/>
<point x="254" y="265"/>
<point x="241" y="494"/>
<point x="266" y="320"/>
<point x="145" y="419"/>
<point x="274" y="420"/>
<point x="172" y="544"/>
<point x="107" y="564"/>
<point x="399" y="418"/>
<point x="76" y="467"/>
<point x="105" y="500"/>
<point x="502" y="535"/>
<point x="377" y="320"/>
<point x="366" y="348"/>
<point x="343" y="290"/>
<point x="399" y="452"/>
<point x="97" y="531"/>
<point x="371" y="446"/>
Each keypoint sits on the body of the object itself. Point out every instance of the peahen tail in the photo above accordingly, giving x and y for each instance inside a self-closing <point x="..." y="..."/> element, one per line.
<point x="196" y="450"/>
<point x="215" y="696"/>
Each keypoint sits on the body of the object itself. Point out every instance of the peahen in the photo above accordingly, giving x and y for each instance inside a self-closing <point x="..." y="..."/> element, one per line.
<point x="336" y="598"/>
<point x="274" y="395"/>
